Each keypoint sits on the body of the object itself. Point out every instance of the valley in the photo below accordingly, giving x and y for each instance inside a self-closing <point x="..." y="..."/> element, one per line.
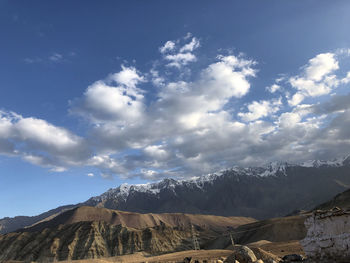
<point x="93" y="232"/>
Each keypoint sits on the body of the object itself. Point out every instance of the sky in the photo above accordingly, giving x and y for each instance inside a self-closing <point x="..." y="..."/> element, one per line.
<point x="95" y="94"/>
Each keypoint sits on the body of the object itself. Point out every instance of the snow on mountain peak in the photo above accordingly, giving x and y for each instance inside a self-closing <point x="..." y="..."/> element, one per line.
<point x="319" y="163"/>
<point x="271" y="169"/>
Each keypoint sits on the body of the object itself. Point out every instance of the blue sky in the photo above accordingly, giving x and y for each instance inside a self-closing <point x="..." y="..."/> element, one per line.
<point x="94" y="95"/>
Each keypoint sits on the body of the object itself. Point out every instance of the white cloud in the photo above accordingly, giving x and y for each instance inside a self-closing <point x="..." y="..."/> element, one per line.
<point x="128" y="76"/>
<point x="296" y="99"/>
<point x="261" y="109"/>
<point x="190" y="121"/>
<point x="320" y="66"/>
<point x="168" y="46"/>
<point x="107" y="164"/>
<point x="156" y="151"/>
<point x="40" y="142"/>
<point x="227" y="78"/>
<point x="157" y="80"/>
<point x="180" y="59"/>
<point x="194" y="44"/>
<point x="90" y="175"/>
<point x="103" y="102"/>
<point x="184" y="55"/>
<point x="149" y="174"/>
<point x="316" y="79"/>
<point x="346" y="79"/>
<point x="273" y="88"/>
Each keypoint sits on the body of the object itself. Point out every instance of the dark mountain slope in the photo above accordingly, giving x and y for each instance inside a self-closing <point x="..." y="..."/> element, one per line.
<point x="9" y="224"/>
<point x="341" y="200"/>
<point x="233" y="192"/>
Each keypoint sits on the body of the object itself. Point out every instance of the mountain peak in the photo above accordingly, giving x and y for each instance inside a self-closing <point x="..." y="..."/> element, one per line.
<point x="122" y="196"/>
<point x="341" y="161"/>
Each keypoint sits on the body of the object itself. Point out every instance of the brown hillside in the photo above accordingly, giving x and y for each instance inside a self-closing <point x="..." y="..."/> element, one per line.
<point x="141" y="221"/>
<point x="281" y="229"/>
<point x="84" y="240"/>
<point x="90" y="232"/>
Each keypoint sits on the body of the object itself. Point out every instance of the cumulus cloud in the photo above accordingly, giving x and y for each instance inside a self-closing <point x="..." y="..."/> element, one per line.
<point x="168" y="46"/>
<point x="188" y="128"/>
<point x="320" y="66"/>
<point x="316" y="79"/>
<point x="183" y="56"/>
<point x="194" y="44"/>
<point x="260" y="109"/>
<point x="273" y="88"/>
<point x="180" y="59"/>
<point x="179" y="111"/>
<point x="128" y="76"/>
<point x="40" y="142"/>
<point x="160" y="124"/>
<point x="103" y="101"/>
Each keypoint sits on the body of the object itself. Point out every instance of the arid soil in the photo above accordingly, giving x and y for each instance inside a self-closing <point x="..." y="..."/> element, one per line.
<point x="140" y="221"/>
<point x="91" y="233"/>
<point x="209" y="255"/>
<point x="281" y="248"/>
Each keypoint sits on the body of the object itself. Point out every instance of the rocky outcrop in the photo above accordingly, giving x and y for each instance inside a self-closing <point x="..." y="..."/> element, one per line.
<point x="241" y="254"/>
<point x="328" y="236"/>
<point x="265" y="256"/>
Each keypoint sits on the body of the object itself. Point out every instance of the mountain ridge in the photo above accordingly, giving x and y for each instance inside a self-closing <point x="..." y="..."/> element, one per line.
<point x="137" y="220"/>
<point x="251" y="192"/>
<point x="270" y="169"/>
<point x="91" y="232"/>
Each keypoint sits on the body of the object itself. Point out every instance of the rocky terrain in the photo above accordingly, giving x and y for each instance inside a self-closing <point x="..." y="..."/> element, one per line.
<point x="259" y="192"/>
<point x="84" y="240"/>
<point x="88" y="232"/>
<point x="140" y="221"/>
<point x="275" y="230"/>
<point x="96" y="235"/>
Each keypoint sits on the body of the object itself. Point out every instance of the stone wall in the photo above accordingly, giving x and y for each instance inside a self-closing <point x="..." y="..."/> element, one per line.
<point x="328" y="236"/>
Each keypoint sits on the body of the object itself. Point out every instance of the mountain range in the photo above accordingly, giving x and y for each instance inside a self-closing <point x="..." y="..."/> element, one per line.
<point x="273" y="190"/>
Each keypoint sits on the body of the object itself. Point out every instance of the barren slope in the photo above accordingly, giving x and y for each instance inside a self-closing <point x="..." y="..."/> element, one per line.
<point x="90" y="232"/>
<point x="141" y="221"/>
<point x="341" y="200"/>
<point x="282" y="229"/>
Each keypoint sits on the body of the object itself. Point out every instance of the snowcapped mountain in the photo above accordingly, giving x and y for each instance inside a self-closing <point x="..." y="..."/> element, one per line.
<point x="332" y="163"/>
<point x="273" y="190"/>
<point x="271" y="169"/>
<point x="261" y="192"/>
